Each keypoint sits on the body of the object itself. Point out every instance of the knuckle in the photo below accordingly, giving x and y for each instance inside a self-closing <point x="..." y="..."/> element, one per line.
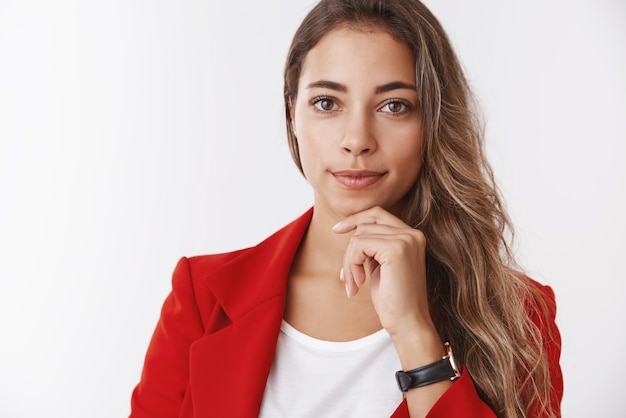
<point x="360" y="230"/>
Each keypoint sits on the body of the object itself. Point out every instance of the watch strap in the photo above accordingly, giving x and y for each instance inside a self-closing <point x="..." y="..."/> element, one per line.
<point x="425" y="375"/>
<point x="438" y="371"/>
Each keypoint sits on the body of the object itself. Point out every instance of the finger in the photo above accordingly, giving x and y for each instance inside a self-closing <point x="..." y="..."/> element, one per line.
<point x="384" y="247"/>
<point x="353" y="261"/>
<point x="351" y="286"/>
<point x="359" y="262"/>
<point x="375" y="215"/>
<point x="354" y="270"/>
<point x="385" y="231"/>
<point x="371" y="266"/>
<point x="358" y="274"/>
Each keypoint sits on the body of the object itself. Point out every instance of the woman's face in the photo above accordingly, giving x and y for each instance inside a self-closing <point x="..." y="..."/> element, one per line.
<point x="356" y="116"/>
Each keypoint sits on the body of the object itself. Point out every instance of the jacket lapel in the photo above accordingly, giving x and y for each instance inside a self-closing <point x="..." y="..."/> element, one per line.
<point x="230" y="365"/>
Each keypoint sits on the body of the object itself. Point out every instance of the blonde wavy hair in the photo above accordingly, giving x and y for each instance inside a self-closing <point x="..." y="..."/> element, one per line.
<point x="479" y="301"/>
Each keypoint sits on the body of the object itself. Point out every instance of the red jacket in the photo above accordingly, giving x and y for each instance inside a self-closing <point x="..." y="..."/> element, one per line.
<point x="213" y="347"/>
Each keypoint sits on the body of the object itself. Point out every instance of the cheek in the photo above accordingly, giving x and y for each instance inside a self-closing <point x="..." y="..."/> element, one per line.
<point x="309" y="154"/>
<point x="410" y="154"/>
<point x="315" y="143"/>
<point x="312" y="157"/>
<point x="410" y="144"/>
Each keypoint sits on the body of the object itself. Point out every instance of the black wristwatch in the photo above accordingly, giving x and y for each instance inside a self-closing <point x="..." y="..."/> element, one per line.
<point x="431" y="373"/>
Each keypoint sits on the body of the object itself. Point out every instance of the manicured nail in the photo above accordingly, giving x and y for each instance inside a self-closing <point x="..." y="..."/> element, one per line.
<point x="337" y="225"/>
<point x="348" y="291"/>
<point x="341" y="275"/>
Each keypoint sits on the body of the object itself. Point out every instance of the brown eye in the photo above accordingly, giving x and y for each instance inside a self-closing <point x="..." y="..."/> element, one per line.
<point x="396" y="107"/>
<point x="324" y="104"/>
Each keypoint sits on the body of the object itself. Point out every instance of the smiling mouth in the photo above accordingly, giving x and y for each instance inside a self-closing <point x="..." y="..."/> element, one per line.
<point x="357" y="180"/>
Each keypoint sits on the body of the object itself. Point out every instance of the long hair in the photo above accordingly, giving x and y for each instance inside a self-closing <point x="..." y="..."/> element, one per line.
<point x="479" y="302"/>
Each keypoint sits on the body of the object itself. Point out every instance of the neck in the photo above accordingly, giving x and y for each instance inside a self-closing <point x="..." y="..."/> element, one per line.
<point x="321" y="251"/>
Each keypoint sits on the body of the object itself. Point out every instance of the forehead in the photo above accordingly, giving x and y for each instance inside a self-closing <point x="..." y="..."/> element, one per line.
<point x="348" y="54"/>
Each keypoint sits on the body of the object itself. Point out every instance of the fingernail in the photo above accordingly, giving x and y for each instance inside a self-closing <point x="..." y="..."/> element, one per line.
<point x="348" y="291"/>
<point x="337" y="225"/>
<point x="341" y="275"/>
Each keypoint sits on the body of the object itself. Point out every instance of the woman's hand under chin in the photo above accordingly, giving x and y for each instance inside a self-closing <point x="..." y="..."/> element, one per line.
<point x="392" y="256"/>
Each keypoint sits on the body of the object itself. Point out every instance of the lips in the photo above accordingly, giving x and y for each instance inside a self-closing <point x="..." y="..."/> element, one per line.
<point x="357" y="179"/>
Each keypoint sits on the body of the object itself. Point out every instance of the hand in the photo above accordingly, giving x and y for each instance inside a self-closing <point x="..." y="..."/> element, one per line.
<point x="392" y="256"/>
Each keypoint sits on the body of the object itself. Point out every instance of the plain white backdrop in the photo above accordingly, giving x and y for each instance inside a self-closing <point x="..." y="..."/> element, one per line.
<point x="135" y="132"/>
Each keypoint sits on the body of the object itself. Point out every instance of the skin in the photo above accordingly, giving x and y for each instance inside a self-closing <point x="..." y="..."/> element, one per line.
<point x="360" y="268"/>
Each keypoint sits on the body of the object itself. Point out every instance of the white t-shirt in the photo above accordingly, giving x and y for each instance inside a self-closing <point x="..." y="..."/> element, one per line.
<point x="324" y="379"/>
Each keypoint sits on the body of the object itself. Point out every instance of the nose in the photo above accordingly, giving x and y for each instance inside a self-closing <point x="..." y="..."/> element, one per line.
<point x="358" y="137"/>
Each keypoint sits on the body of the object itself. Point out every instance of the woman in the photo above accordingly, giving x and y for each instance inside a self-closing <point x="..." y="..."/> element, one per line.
<point x="402" y="259"/>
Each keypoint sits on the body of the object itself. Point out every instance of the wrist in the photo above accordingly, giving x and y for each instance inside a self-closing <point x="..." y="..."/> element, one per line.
<point x="418" y="347"/>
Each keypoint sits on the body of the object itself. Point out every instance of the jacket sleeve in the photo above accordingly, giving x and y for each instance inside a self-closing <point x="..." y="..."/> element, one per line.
<point x="165" y="375"/>
<point x="462" y="401"/>
<point x="552" y="345"/>
<point x="459" y="401"/>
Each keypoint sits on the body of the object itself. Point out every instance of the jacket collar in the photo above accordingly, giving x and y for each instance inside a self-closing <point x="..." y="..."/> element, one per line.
<point x="261" y="270"/>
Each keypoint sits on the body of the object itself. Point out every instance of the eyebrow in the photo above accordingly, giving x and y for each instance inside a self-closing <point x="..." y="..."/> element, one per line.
<point x="332" y="85"/>
<point x="395" y="85"/>
<point x="326" y="84"/>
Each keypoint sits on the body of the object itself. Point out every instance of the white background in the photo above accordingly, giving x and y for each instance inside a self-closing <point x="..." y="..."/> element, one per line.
<point x="135" y="132"/>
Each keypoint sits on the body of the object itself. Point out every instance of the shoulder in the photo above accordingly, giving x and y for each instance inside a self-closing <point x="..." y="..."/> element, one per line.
<point x="191" y="276"/>
<point x="541" y="308"/>
<point x="541" y="298"/>
<point x="544" y="289"/>
<point x="193" y="270"/>
<point x="201" y="265"/>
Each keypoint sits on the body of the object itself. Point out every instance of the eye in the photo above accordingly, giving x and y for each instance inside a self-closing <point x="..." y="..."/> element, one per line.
<point x="324" y="104"/>
<point x="396" y="107"/>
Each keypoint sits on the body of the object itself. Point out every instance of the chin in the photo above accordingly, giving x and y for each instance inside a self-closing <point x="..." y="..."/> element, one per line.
<point x="342" y="206"/>
<point x="345" y="209"/>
